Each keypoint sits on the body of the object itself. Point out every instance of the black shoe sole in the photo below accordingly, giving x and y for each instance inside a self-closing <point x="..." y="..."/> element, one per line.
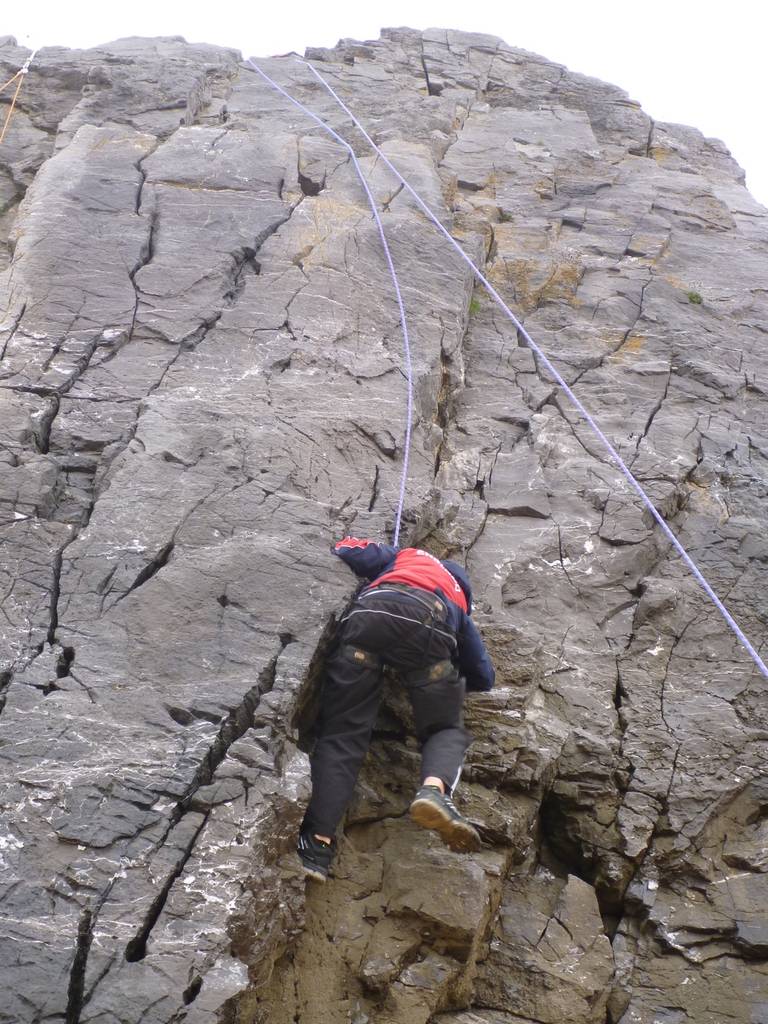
<point x="459" y="836"/>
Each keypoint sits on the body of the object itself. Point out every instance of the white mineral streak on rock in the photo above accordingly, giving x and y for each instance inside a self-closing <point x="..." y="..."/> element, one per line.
<point x="202" y="389"/>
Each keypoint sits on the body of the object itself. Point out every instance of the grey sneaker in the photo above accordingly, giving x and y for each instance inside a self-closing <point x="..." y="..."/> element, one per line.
<point x="433" y="809"/>
<point x="315" y="856"/>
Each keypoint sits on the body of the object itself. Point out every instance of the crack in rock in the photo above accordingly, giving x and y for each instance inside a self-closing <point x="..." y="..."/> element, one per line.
<point x="207" y="392"/>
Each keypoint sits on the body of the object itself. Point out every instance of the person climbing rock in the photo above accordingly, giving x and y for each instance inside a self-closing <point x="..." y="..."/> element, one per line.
<point x="414" y="618"/>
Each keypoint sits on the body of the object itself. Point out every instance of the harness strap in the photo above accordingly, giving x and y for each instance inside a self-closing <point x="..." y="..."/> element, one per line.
<point x="439" y="670"/>
<point x="427" y="598"/>
<point x="438" y="613"/>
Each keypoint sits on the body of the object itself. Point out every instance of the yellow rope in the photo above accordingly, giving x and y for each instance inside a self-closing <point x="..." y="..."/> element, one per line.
<point x="21" y="75"/>
<point x="3" y="86"/>
<point x="10" y="112"/>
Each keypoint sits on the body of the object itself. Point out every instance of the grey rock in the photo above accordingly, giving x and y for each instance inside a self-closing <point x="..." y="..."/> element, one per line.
<point x="201" y="376"/>
<point x="549" y="958"/>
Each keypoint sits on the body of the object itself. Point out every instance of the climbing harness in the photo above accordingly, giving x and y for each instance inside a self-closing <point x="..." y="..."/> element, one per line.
<point x="390" y="264"/>
<point x="20" y="74"/>
<point x="614" y="455"/>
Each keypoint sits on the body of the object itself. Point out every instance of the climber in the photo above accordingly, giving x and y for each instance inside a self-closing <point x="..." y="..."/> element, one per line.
<point x="413" y="617"/>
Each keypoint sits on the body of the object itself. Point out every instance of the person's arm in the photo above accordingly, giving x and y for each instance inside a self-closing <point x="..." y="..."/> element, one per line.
<point x="364" y="557"/>
<point x="474" y="662"/>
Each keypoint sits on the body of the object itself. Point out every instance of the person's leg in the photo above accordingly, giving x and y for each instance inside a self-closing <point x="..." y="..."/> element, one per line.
<point x="437" y="698"/>
<point x="350" y="701"/>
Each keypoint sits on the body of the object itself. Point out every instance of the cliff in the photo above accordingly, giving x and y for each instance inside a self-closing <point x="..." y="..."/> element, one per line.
<point x="202" y="387"/>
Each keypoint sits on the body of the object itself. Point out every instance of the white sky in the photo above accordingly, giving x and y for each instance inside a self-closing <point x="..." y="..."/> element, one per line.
<point x="696" y="63"/>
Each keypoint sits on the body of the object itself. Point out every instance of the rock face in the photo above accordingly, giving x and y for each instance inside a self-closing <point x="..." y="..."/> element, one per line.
<point x="202" y="387"/>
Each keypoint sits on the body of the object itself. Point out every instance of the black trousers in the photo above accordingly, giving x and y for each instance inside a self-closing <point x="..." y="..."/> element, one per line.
<point x="403" y="628"/>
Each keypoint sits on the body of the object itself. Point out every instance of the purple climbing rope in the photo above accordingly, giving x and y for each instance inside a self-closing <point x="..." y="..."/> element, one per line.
<point x="615" y="457"/>
<point x="390" y="264"/>
<point x="560" y="380"/>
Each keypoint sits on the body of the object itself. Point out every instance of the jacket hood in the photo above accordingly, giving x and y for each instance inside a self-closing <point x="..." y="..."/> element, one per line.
<point x="459" y="573"/>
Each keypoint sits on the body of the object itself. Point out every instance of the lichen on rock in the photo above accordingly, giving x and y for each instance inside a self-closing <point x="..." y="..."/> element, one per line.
<point x="202" y="387"/>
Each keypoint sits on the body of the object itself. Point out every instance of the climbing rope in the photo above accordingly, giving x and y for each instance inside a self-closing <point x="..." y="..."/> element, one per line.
<point x="390" y="264"/>
<point x="13" y="79"/>
<point x="23" y="70"/>
<point x="614" y="455"/>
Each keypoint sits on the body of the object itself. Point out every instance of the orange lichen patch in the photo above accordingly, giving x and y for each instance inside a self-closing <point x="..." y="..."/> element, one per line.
<point x="329" y="213"/>
<point x="523" y="278"/>
<point x="450" y="192"/>
<point x="499" y="272"/>
<point x="535" y="282"/>
<point x="628" y="350"/>
<point x="633" y="344"/>
<point x="661" y="154"/>
<point x="563" y="283"/>
<point x="703" y="500"/>
<point x="675" y="282"/>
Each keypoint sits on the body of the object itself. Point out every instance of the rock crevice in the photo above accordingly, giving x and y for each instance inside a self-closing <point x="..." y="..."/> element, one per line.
<point x="202" y="388"/>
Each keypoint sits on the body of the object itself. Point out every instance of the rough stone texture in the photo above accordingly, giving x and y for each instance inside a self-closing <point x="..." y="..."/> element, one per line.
<point x="202" y="387"/>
